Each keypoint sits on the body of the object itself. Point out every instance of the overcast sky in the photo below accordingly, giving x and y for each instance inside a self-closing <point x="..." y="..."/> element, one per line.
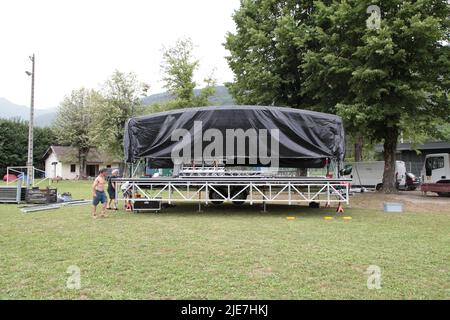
<point x="81" y="42"/>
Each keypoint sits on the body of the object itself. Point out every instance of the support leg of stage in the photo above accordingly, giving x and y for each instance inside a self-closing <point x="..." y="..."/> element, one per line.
<point x="264" y="204"/>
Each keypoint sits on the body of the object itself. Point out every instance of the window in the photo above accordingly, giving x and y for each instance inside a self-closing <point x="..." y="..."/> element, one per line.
<point x="438" y="163"/>
<point x="73" y="168"/>
<point x="108" y="166"/>
<point x="434" y="163"/>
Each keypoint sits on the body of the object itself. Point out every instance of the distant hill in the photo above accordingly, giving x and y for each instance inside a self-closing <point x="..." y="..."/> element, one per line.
<point x="45" y="117"/>
<point x="42" y="117"/>
<point x="220" y="98"/>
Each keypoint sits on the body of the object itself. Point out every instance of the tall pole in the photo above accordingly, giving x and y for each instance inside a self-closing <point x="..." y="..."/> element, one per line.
<point x="30" y="168"/>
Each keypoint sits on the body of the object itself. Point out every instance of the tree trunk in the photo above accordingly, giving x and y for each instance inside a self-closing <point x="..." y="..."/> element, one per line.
<point x="390" y="147"/>
<point x="82" y="159"/>
<point x="359" y="148"/>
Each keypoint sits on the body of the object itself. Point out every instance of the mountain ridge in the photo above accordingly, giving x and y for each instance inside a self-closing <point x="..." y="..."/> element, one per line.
<point x="45" y="117"/>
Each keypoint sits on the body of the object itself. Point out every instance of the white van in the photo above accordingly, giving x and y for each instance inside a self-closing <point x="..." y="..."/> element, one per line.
<point x="369" y="174"/>
<point x="436" y="168"/>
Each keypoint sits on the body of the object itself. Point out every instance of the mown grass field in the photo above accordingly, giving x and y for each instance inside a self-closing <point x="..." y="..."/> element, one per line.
<point x="223" y="253"/>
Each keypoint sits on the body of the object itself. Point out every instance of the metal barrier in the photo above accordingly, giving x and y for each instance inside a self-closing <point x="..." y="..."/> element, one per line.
<point x="13" y="194"/>
<point x="21" y="171"/>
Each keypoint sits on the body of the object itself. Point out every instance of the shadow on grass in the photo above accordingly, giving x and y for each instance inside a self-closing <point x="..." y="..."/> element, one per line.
<point x="240" y="210"/>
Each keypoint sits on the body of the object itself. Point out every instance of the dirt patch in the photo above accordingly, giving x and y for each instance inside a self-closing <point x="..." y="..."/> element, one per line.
<point x="412" y="201"/>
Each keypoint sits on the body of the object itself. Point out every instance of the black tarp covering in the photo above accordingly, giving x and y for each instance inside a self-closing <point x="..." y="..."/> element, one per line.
<point x="305" y="138"/>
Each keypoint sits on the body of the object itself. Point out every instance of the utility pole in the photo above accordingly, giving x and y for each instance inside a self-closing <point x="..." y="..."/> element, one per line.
<point x="30" y="167"/>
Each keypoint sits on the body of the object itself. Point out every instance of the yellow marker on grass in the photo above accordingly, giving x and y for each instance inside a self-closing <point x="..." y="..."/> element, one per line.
<point x="328" y="218"/>
<point x="290" y="218"/>
<point x="347" y="218"/>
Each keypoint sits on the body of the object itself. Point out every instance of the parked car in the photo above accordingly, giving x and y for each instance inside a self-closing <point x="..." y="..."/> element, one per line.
<point x="412" y="182"/>
<point x="9" y="177"/>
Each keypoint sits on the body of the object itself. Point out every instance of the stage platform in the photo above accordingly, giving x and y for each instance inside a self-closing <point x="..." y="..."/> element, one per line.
<point x="238" y="190"/>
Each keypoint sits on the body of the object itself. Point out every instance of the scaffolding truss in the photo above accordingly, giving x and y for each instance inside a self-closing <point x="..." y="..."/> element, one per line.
<point x="251" y="190"/>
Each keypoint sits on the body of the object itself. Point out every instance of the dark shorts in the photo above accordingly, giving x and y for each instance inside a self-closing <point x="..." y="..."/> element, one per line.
<point x="100" y="196"/>
<point x="111" y="193"/>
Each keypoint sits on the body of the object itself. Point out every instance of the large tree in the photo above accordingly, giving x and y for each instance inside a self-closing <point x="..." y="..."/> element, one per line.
<point x="267" y="50"/>
<point x="324" y="55"/>
<point x="73" y="123"/>
<point x="384" y="76"/>
<point x="178" y="66"/>
<point x="119" y="99"/>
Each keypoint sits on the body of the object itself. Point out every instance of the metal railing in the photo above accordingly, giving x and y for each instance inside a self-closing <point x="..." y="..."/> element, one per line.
<point x="21" y="172"/>
<point x="256" y="190"/>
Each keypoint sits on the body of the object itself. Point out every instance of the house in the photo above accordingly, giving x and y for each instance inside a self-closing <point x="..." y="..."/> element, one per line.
<point x="62" y="162"/>
<point x="414" y="154"/>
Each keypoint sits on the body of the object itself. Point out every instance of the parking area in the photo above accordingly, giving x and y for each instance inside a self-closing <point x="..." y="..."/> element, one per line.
<point x="412" y="200"/>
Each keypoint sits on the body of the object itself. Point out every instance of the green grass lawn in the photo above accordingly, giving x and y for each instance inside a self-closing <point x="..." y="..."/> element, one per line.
<point x="226" y="252"/>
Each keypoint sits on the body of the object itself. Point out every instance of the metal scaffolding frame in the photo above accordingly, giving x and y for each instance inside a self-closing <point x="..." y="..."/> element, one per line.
<point x="23" y="170"/>
<point x="263" y="190"/>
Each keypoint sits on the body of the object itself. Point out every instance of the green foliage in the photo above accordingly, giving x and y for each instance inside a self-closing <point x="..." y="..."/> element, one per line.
<point x="119" y="100"/>
<point x="178" y="66"/>
<point x="14" y="143"/>
<point x="74" y="119"/>
<point x="267" y="52"/>
<point x="381" y="80"/>
<point x="321" y="55"/>
<point x="202" y="99"/>
<point x="377" y="79"/>
<point x="73" y="123"/>
<point x="43" y="139"/>
<point x="87" y="118"/>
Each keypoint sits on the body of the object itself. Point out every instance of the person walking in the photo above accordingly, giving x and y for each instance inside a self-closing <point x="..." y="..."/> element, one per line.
<point x="112" y="190"/>
<point x="99" y="195"/>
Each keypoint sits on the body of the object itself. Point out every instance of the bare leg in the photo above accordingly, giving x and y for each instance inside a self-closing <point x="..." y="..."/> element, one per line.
<point x="109" y="203"/>
<point x="103" y="214"/>
<point x="94" y="214"/>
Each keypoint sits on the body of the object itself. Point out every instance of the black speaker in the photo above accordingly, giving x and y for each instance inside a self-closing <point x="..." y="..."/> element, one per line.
<point x="146" y="205"/>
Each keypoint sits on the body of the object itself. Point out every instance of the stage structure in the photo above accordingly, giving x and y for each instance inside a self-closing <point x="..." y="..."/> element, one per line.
<point x="208" y="147"/>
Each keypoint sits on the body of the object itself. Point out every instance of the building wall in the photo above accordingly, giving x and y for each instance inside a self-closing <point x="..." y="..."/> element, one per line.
<point x="62" y="169"/>
<point x="50" y="169"/>
<point x="65" y="171"/>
